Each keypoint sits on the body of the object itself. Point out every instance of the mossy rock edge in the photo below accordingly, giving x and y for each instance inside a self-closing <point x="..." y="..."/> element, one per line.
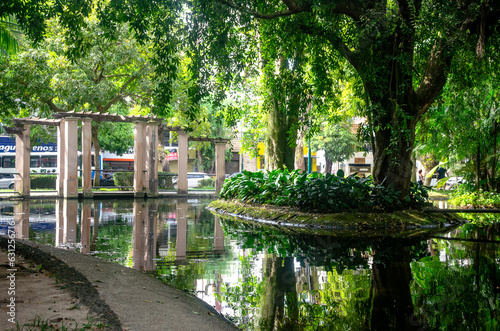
<point x="284" y="217"/>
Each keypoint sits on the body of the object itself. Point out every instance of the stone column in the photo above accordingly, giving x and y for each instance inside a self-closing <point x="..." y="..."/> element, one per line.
<point x="23" y="153"/>
<point x="182" y="163"/>
<point x="22" y="219"/>
<point x="61" y="148"/>
<point x="139" y="160"/>
<point x="220" y="165"/>
<point x="151" y="160"/>
<point x="71" y="158"/>
<point x="85" y="226"/>
<point x="87" y="157"/>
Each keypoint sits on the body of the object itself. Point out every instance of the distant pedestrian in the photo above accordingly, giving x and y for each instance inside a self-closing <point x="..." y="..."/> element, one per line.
<point x="420" y="180"/>
<point x="441" y="173"/>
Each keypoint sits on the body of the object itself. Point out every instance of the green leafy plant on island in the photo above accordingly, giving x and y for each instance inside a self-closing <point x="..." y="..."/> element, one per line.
<point x="319" y="192"/>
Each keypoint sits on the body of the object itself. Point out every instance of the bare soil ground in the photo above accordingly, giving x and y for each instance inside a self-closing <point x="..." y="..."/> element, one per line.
<point x="41" y="302"/>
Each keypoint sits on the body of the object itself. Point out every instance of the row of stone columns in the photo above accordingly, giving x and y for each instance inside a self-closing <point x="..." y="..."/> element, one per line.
<point x="145" y="160"/>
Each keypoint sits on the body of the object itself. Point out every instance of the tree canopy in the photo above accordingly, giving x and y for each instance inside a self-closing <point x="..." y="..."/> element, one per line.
<point x="401" y="52"/>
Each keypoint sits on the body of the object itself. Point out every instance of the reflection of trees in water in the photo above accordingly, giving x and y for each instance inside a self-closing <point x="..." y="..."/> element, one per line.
<point x="367" y="283"/>
<point x="278" y="277"/>
<point x="461" y="289"/>
<point x="392" y="306"/>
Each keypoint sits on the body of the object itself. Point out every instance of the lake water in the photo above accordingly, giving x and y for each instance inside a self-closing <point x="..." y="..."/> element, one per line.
<point x="261" y="278"/>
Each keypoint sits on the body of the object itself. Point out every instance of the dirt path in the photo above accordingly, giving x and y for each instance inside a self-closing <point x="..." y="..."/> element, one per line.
<point x="40" y="300"/>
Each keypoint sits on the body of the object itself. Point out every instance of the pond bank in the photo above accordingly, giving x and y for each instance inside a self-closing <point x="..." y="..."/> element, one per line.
<point x="122" y="298"/>
<point x="400" y="222"/>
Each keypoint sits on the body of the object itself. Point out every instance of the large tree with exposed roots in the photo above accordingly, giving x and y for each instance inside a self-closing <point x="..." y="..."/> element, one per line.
<point x="401" y="50"/>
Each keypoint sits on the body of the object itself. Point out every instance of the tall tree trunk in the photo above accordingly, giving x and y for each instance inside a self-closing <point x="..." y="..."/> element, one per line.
<point x="414" y="168"/>
<point x="392" y="307"/>
<point x="97" y="154"/>
<point x="283" y="119"/>
<point x="428" y="162"/>
<point x="392" y="163"/>
<point x="299" y="152"/>
<point x="279" y="153"/>
<point x="494" y="162"/>
<point x="478" y="167"/>
<point x="199" y="164"/>
<point x="328" y="165"/>
<point x="272" y="302"/>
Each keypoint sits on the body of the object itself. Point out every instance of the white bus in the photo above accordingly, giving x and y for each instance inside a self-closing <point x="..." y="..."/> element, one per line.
<point x="43" y="157"/>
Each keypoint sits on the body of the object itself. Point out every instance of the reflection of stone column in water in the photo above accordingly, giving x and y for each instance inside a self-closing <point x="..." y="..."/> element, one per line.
<point x="138" y="236"/>
<point x="181" y="241"/>
<point x="95" y="229"/>
<point x="22" y="219"/>
<point x="85" y="226"/>
<point x="218" y="235"/>
<point x="59" y="223"/>
<point x="150" y="215"/>
<point x="70" y="212"/>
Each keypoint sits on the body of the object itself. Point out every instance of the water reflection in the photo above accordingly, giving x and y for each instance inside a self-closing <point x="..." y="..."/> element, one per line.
<point x="264" y="279"/>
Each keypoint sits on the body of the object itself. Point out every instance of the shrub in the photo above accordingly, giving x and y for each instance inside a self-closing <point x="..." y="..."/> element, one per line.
<point x="124" y="178"/>
<point x="166" y="180"/>
<point x="206" y="183"/>
<point x="464" y="196"/>
<point x="318" y="192"/>
<point x="38" y="182"/>
<point x="43" y="182"/>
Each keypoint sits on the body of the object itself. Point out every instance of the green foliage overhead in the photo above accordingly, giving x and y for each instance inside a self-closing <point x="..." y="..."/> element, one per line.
<point x="9" y="34"/>
<point x="116" y="137"/>
<point x="463" y="126"/>
<point x="318" y="193"/>
<point x="401" y="52"/>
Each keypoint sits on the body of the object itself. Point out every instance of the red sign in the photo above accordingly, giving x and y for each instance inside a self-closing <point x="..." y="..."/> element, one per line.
<point x="172" y="156"/>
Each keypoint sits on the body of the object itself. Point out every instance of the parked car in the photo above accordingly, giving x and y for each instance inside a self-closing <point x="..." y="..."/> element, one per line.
<point x="193" y="179"/>
<point x="107" y="180"/>
<point x="7" y="181"/>
<point x="453" y="181"/>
